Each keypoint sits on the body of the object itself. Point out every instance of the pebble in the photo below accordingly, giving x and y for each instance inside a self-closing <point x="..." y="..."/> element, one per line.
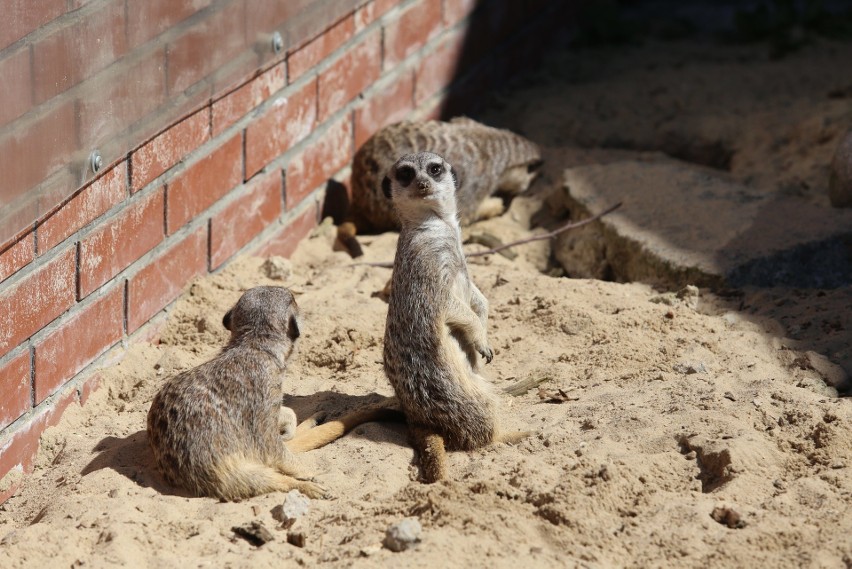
<point x="296" y="538"/>
<point x="294" y="507"/>
<point x="277" y="268"/>
<point x="690" y="368"/>
<point x="729" y="395"/>
<point x="403" y="535"/>
<point x="727" y="516"/>
<point x="254" y="532"/>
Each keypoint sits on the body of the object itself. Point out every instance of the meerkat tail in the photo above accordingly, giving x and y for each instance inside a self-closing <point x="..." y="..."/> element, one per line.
<point x="238" y="477"/>
<point x="322" y="435"/>
<point x="433" y="457"/>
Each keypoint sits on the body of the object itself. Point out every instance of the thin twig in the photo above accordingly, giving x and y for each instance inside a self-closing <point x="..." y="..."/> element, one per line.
<point x="554" y="233"/>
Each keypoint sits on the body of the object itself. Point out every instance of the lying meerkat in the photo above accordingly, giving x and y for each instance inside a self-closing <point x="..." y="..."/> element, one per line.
<point x="437" y="320"/>
<point x="216" y="429"/>
<point x="485" y="159"/>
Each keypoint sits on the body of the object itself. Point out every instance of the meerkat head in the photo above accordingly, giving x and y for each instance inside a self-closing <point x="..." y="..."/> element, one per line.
<point x="420" y="184"/>
<point x="265" y="311"/>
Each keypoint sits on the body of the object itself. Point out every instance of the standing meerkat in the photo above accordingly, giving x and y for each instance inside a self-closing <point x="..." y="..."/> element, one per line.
<point x="437" y="320"/>
<point x="485" y="160"/>
<point x="216" y="429"/>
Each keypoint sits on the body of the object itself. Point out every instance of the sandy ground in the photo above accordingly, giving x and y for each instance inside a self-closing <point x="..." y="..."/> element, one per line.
<point x="668" y="433"/>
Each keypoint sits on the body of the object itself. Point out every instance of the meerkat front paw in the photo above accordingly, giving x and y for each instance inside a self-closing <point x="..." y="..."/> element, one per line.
<point x="486" y="352"/>
<point x="312" y="490"/>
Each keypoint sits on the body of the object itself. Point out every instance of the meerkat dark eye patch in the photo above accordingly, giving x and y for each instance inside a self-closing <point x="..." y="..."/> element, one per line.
<point x="226" y="320"/>
<point x="404" y="175"/>
<point x="435" y="170"/>
<point x="386" y="188"/>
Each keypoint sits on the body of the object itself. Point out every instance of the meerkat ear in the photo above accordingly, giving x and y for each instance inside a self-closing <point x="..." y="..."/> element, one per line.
<point x="293" y="328"/>
<point x="386" y="189"/>
<point x="226" y="320"/>
<point x="455" y="176"/>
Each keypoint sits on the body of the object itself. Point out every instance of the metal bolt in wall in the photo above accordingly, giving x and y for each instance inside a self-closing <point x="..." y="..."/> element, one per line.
<point x="277" y="42"/>
<point x="96" y="162"/>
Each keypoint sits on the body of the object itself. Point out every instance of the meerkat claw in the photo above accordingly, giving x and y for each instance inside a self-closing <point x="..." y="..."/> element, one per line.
<point x="487" y="353"/>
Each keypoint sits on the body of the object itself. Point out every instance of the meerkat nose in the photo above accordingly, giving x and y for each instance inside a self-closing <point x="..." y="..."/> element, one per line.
<point x="423" y="184"/>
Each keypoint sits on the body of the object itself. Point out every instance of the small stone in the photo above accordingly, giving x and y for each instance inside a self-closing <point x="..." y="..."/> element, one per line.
<point x="294" y="507"/>
<point x="254" y="532"/>
<point x="296" y="538"/>
<point x="113" y="493"/>
<point x="838" y="464"/>
<point x="403" y="535"/>
<point x="729" y="395"/>
<point x="728" y="517"/>
<point x="369" y="550"/>
<point x="690" y="368"/>
<point x="277" y="268"/>
<point x="779" y="484"/>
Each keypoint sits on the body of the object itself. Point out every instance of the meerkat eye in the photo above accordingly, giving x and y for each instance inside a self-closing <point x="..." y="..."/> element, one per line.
<point x="404" y="175"/>
<point x="435" y="170"/>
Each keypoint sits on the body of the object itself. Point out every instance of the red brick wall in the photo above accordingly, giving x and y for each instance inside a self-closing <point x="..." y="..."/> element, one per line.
<point x="85" y="280"/>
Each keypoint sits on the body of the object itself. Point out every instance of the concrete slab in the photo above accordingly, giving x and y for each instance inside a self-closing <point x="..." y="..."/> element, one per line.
<point x="684" y="224"/>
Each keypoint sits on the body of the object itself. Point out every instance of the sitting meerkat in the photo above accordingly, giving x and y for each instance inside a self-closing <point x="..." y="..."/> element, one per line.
<point x="485" y="159"/>
<point x="437" y="320"/>
<point x="216" y="429"/>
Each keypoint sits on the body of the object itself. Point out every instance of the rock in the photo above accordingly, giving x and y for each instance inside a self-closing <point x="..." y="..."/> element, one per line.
<point x="728" y="517"/>
<point x="689" y="368"/>
<point x="277" y="268"/>
<point x="295" y="506"/>
<point x="254" y="532"/>
<point x="296" y="538"/>
<point x="403" y="535"/>
<point x="689" y="295"/>
<point x="369" y="550"/>
<point x="840" y="178"/>
<point x="683" y="224"/>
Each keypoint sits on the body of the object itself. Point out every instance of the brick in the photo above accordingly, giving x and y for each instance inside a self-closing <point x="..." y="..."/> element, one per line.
<point x="356" y="70"/>
<point x="437" y="69"/>
<point x="78" y="341"/>
<point x="235" y="105"/>
<point x="391" y="103"/>
<point x="162" y="281"/>
<point x="18" y="451"/>
<point x="15" y="397"/>
<point x="107" y="111"/>
<point x="78" y="51"/>
<point x="203" y="183"/>
<point x="146" y="19"/>
<point x="36" y="301"/>
<point x="284" y="241"/>
<point x="319" y="161"/>
<point x="44" y="148"/>
<point x="372" y="11"/>
<point x="457" y="10"/>
<point x="21" y="18"/>
<point x="419" y="23"/>
<point x="93" y="201"/>
<point x="206" y="46"/>
<point x="15" y="90"/>
<point x="115" y="245"/>
<point x="232" y="228"/>
<point x="306" y="57"/>
<point x="17" y="256"/>
<point x="168" y="148"/>
<point x="286" y="122"/>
